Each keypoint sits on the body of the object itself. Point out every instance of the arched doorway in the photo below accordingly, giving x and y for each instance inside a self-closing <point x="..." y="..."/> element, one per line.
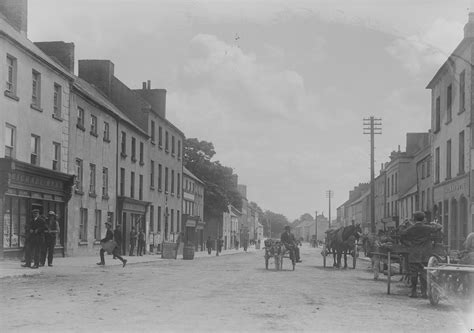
<point x="453" y="222"/>
<point x="463" y="218"/>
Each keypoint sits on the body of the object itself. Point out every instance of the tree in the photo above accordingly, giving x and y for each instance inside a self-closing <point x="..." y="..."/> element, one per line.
<point x="274" y="221"/>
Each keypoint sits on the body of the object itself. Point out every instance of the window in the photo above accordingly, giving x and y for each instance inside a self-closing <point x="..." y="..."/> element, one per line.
<point x="79" y="176"/>
<point x="160" y="136"/>
<point x="36" y="89"/>
<point x="152" y="174"/>
<point x="152" y="131"/>
<point x="35" y="150"/>
<point x="57" y="101"/>
<point x="132" y="184"/>
<point x="122" y="182"/>
<point x="106" y="131"/>
<point x="105" y="182"/>
<point x="159" y="219"/>
<point x="80" y="118"/>
<point x="159" y="176"/>
<point x="438" y="115"/>
<point x="177" y="220"/>
<point x="167" y="142"/>
<point x="11" y="75"/>
<point x="172" y="220"/>
<point x="172" y="181"/>
<point x="56" y="156"/>
<point x="123" y="153"/>
<point x="448" y="159"/>
<point x="461" y="152"/>
<point x="178" y="189"/>
<point x="97" y="225"/>
<point x="10" y="136"/>
<point x="388" y="186"/>
<point x="179" y="149"/>
<point x="428" y="167"/>
<point x="462" y="91"/>
<point x="93" y="125"/>
<point x="141" y="153"/>
<point x="152" y="220"/>
<point x="172" y="145"/>
<point x="140" y="187"/>
<point x="449" y="96"/>
<point x="166" y="180"/>
<point x="422" y="168"/>
<point x="437" y="165"/>
<point x="83" y="225"/>
<point x="134" y="142"/>
<point x="396" y="183"/>
<point x="92" y="179"/>
<point x="422" y="200"/>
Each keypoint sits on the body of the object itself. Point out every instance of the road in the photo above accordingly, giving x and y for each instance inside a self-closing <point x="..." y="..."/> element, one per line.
<point x="225" y="293"/>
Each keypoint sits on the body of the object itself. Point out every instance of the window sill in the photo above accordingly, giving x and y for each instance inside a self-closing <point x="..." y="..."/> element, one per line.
<point x="11" y="95"/>
<point x="461" y="111"/>
<point x="92" y="195"/>
<point x="160" y="146"/>
<point x="57" y="117"/>
<point x="448" y="121"/>
<point x="167" y="151"/>
<point x="436" y="130"/>
<point x="123" y="155"/>
<point x="160" y="189"/>
<point x="105" y="197"/>
<point x="106" y="140"/>
<point x="83" y="243"/>
<point x="460" y="173"/>
<point x="79" y="192"/>
<point x="172" y="154"/>
<point x="36" y="107"/>
<point x="82" y="128"/>
<point x="152" y="188"/>
<point x="94" y="134"/>
<point x="153" y="142"/>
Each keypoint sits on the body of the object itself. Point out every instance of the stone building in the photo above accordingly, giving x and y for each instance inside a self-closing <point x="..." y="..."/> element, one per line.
<point x="193" y="210"/>
<point x="34" y="123"/>
<point x="452" y="145"/>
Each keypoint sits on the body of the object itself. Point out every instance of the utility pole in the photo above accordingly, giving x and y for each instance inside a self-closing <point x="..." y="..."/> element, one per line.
<point x="372" y="126"/>
<point x="329" y="195"/>
<point x="316" y="228"/>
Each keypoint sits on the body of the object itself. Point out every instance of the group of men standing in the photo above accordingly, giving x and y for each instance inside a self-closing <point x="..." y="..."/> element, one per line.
<point x="40" y="239"/>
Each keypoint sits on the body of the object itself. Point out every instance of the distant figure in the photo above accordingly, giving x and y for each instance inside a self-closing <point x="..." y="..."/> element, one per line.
<point x="209" y="245"/>
<point x="141" y="243"/>
<point x="133" y="241"/>
<point x="52" y="229"/>
<point x="109" y="245"/>
<point x="35" y="239"/>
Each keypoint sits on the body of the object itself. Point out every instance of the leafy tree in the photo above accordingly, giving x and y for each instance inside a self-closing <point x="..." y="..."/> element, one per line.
<point x="274" y="221"/>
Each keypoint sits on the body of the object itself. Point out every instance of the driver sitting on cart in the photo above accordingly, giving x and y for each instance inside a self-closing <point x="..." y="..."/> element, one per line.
<point x="289" y="240"/>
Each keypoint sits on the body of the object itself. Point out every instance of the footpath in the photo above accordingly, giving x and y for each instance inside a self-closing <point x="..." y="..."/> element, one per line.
<point x="12" y="268"/>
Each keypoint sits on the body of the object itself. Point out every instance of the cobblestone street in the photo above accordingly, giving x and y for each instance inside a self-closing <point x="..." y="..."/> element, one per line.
<point x="225" y="293"/>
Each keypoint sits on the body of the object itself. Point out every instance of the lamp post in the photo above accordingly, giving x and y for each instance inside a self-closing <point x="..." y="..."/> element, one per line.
<point x="316" y="229"/>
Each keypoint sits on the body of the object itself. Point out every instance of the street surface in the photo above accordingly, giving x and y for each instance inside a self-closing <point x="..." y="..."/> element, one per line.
<point x="225" y="293"/>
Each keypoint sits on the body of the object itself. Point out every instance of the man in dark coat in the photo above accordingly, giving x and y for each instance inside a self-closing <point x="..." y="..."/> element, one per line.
<point x="109" y="236"/>
<point x="35" y="239"/>
<point x="133" y="241"/>
<point x="118" y="239"/>
<point x="209" y="245"/>
<point x="141" y="243"/>
<point x="289" y="240"/>
<point x="52" y="229"/>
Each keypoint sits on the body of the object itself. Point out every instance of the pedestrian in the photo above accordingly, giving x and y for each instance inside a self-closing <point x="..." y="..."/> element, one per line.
<point x="179" y="244"/>
<point x="35" y="239"/>
<point x="373" y="248"/>
<point x="133" y="241"/>
<point x="236" y="244"/>
<point x="108" y="244"/>
<point x="118" y="239"/>
<point x="209" y="245"/>
<point x="141" y="243"/>
<point x="52" y="229"/>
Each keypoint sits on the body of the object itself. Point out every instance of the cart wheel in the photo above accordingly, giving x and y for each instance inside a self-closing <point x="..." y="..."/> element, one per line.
<point x="433" y="291"/>
<point x="266" y="262"/>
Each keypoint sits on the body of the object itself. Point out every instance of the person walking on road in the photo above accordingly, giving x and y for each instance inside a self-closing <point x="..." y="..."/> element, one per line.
<point x="209" y="245"/>
<point x="35" y="239"/>
<point x="133" y="241"/>
<point x="52" y="229"/>
<point x="108" y="244"/>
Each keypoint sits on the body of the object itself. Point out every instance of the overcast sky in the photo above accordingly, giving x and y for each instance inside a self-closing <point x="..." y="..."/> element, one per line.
<point x="279" y="87"/>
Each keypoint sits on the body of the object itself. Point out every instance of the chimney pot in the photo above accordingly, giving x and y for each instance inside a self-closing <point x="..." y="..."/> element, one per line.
<point x="143" y="85"/>
<point x="149" y="84"/>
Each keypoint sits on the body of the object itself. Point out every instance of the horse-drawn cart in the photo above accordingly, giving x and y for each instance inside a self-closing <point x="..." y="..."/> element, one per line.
<point x="277" y="250"/>
<point x="340" y="242"/>
<point x="450" y="278"/>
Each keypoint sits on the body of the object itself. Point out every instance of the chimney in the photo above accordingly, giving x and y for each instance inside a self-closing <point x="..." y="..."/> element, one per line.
<point x="16" y="13"/>
<point x="156" y="98"/>
<point x="469" y="26"/>
<point x="99" y="73"/>
<point x="61" y="52"/>
<point x="143" y="85"/>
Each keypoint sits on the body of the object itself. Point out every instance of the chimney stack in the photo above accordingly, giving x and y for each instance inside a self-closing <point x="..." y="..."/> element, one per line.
<point x="469" y="26"/>
<point x="99" y="73"/>
<point x="149" y="84"/>
<point x="60" y="51"/>
<point x="16" y="13"/>
<point x="143" y="85"/>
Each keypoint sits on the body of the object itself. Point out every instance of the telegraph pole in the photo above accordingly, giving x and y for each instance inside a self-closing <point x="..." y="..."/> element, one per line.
<point x="372" y="126"/>
<point x="316" y="227"/>
<point x="329" y="195"/>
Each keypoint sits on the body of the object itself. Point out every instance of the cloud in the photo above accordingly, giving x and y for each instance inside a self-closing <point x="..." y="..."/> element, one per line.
<point x="427" y="49"/>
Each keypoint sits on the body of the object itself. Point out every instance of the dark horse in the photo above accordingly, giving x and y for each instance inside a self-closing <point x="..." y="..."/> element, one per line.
<point x="341" y="241"/>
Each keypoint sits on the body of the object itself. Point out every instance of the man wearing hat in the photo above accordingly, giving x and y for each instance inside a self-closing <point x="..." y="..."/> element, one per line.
<point x="289" y="240"/>
<point x="52" y="229"/>
<point x="35" y="239"/>
<point x="109" y="237"/>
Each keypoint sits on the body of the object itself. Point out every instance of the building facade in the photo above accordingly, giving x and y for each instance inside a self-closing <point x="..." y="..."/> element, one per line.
<point x="193" y="210"/>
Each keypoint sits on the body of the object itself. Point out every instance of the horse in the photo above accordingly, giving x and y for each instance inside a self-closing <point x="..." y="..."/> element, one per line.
<point x="342" y="241"/>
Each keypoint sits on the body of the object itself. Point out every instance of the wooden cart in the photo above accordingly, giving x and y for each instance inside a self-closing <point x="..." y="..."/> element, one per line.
<point x="277" y="250"/>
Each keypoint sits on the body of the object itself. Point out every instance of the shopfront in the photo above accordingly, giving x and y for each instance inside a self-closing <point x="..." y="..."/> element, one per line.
<point x="22" y="187"/>
<point x="132" y="213"/>
<point x="451" y="209"/>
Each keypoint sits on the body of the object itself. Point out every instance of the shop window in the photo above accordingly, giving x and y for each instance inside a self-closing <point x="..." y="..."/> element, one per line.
<point x="10" y="138"/>
<point x="35" y="150"/>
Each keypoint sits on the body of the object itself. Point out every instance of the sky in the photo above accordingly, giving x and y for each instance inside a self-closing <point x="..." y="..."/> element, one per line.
<point x="279" y="87"/>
